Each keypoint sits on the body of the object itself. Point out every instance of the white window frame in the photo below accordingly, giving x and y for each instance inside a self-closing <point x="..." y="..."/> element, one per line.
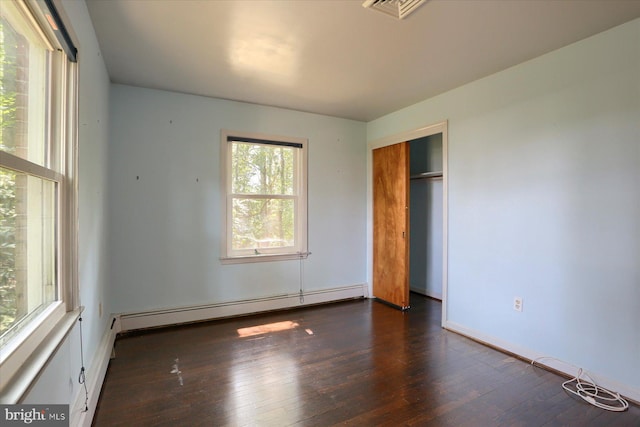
<point x="26" y="353"/>
<point x="300" y="248"/>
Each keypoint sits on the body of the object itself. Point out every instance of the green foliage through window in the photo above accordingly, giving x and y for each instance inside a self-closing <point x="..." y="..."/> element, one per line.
<point x="9" y="46"/>
<point x="8" y="304"/>
<point x="263" y="185"/>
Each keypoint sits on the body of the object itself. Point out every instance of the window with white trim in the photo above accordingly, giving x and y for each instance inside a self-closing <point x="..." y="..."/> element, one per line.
<point x="265" y="197"/>
<point x="37" y="184"/>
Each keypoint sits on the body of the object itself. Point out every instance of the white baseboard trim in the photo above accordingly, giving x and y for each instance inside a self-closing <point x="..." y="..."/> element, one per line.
<point x="174" y="316"/>
<point x="546" y="360"/>
<point x="95" y="377"/>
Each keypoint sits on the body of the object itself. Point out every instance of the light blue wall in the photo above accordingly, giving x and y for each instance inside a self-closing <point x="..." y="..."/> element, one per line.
<point x="165" y="205"/>
<point x="59" y="381"/>
<point x="544" y="202"/>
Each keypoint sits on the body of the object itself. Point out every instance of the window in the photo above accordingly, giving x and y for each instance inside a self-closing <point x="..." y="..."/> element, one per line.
<point x="265" y="197"/>
<point x="37" y="186"/>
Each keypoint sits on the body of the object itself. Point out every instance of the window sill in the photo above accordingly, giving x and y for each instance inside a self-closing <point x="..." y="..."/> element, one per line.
<point x="23" y="379"/>
<point x="264" y="258"/>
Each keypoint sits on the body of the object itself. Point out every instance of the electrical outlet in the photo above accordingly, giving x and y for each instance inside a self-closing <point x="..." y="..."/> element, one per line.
<point x="517" y="303"/>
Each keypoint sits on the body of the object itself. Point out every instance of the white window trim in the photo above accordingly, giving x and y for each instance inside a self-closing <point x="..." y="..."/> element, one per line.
<point x="225" y="191"/>
<point x="25" y="355"/>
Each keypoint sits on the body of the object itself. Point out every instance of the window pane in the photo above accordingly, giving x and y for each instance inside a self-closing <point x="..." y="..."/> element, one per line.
<point x="27" y="249"/>
<point x="262" y="223"/>
<point x="23" y="88"/>
<point x="262" y="169"/>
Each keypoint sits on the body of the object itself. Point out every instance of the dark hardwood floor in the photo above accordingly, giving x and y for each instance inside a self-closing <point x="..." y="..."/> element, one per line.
<point x="356" y="363"/>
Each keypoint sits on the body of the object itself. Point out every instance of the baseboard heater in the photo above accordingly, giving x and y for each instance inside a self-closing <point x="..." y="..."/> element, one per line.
<point x="191" y="314"/>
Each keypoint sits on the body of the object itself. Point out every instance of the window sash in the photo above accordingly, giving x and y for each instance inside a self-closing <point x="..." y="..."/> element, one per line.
<point x="294" y="188"/>
<point x="264" y="248"/>
<point x="297" y="248"/>
<point x="18" y="164"/>
<point x="35" y="251"/>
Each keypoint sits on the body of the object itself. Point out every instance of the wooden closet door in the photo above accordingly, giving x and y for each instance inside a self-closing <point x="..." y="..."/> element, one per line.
<point x="391" y="224"/>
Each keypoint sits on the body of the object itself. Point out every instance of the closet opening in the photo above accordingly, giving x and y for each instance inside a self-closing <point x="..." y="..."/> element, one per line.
<point x="426" y="213"/>
<point x="408" y="216"/>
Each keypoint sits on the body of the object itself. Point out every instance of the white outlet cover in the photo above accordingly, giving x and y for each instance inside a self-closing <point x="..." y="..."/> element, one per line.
<point x="517" y="303"/>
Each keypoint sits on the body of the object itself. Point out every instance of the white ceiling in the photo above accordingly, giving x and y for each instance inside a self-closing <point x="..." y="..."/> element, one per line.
<point x="334" y="57"/>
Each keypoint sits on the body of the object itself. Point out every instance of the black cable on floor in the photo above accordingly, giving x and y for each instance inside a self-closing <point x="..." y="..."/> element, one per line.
<point x="81" y="378"/>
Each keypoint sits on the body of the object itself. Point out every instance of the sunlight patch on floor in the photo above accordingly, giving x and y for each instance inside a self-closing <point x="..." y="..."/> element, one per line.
<point x="266" y="328"/>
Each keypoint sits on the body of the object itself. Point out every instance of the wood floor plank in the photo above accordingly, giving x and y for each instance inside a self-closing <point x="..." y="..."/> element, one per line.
<point x="351" y="363"/>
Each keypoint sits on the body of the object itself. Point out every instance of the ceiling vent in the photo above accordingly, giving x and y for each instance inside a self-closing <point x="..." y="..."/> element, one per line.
<point x="396" y="8"/>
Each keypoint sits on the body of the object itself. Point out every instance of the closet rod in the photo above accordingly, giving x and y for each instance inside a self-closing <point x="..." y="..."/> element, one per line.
<point x="426" y="175"/>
